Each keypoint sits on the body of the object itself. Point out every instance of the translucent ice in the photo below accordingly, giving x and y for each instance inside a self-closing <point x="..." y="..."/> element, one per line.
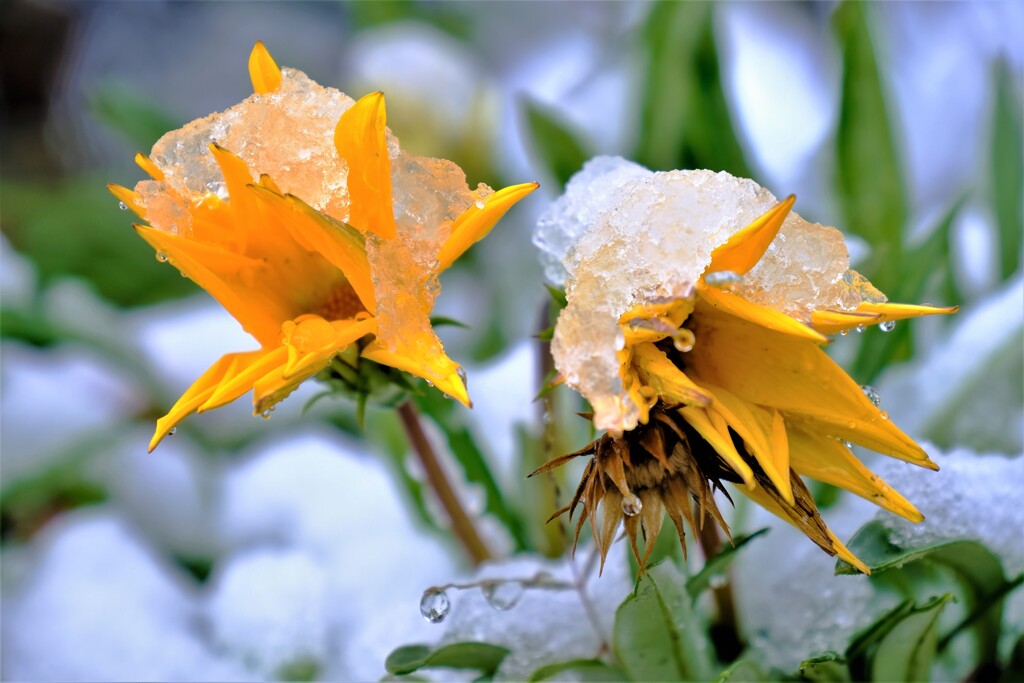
<point x="623" y="235"/>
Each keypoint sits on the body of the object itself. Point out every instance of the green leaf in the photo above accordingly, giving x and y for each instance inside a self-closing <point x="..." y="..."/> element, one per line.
<point x="75" y="228"/>
<point x="742" y="671"/>
<point x="1007" y="167"/>
<point x="830" y="667"/>
<point x="921" y="266"/>
<point x="974" y="565"/>
<point x="557" y="296"/>
<point x="700" y="581"/>
<point x="579" y="669"/>
<point x="684" y="118"/>
<point x="442" y="321"/>
<point x="907" y="651"/>
<point x="1013" y="672"/>
<point x="120" y="107"/>
<point x="657" y="636"/>
<point x="553" y="141"/>
<point x="483" y="657"/>
<point x="869" y="177"/>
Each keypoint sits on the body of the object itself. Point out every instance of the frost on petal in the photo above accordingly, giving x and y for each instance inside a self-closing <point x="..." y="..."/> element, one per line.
<point x="624" y="235"/>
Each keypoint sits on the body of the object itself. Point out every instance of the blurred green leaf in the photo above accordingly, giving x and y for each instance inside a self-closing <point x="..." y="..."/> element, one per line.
<point x="74" y="228"/>
<point x="829" y="667"/>
<point x="1008" y="167"/>
<point x="917" y="271"/>
<point x="700" y="581"/>
<point x="557" y="296"/>
<point x="134" y="117"/>
<point x="1013" y="672"/>
<point x="742" y="671"/>
<point x="684" y="118"/>
<point x="471" y="458"/>
<point x="553" y="141"/>
<point x="444" y="16"/>
<point x="977" y="569"/>
<point x="869" y="174"/>
<point x="657" y="636"/>
<point x="30" y="327"/>
<point x="907" y="651"/>
<point x="483" y="657"/>
<point x="578" y="669"/>
<point x="442" y="321"/>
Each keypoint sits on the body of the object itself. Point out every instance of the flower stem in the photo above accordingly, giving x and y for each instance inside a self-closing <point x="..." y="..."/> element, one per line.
<point x="725" y="632"/>
<point x="462" y="524"/>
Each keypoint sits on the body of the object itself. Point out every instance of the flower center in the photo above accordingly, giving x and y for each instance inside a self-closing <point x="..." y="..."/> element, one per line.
<point x="341" y="304"/>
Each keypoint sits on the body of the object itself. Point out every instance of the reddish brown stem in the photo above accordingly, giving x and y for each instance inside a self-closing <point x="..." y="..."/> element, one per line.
<point x="462" y="524"/>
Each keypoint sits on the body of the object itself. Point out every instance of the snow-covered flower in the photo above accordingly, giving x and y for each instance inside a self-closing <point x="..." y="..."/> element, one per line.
<point x="315" y="231"/>
<point x="697" y="308"/>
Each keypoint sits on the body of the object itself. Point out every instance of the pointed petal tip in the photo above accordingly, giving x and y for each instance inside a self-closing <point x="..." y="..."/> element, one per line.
<point x="263" y="70"/>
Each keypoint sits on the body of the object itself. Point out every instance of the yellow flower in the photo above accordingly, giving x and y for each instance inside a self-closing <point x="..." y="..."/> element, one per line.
<point x="335" y="245"/>
<point x="718" y="375"/>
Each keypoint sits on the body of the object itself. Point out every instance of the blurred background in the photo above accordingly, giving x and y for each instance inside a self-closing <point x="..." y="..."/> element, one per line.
<point x="297" y="548"/>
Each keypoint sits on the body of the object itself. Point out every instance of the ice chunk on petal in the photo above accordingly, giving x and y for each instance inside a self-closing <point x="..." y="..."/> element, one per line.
<point x="625" y="235"/>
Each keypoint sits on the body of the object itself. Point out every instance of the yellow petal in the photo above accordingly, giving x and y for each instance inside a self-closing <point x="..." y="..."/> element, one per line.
<point x="746" y="247"/>
<point x="339" y="244"/>
<point x="200" y="392"/>
<point x="243" y="379"/>
<point x="147" y="165"/>
<point x="263" y="70"/>
<point x="890" y="311"/>
<point x="661" y="374"/>
<point x="829" y="461"/>
<point x="832" y="322"/>
<point x="129" y="198"/>
<point x="756" y="426"/>
<point x="220" y="272"/>
<point x="242" y="203"/>
<point x="474" y="223"/>
<point x="794" y="376"/>
<point x="843" y="553"/>
<point x="433" y="366"/>
<point x="722" y="443"/>
<point x="311" y="345"/>
<point x="360" y="140"/>
<point x="756" y="313"/>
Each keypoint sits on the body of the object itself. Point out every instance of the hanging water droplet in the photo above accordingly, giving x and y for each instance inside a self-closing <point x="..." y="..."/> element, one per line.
<point x="872" y="394"/>
<point x="502" y="595"/>
<point x="462" y="375"/>
<point x="861" y="328"/>
<point x="887" y="326"/>
<point x="848" y="444"/>
<point x="435" y="605"/>
<point x="684" y="340"/>
<point x="171" y="433"/>
<point x="631" y="505"/>
<point x="266" y="413"/>
<point x="844" y="332"/>
<point x="122" y="206"/>
<point x="723" y="278"/>
<point x="161" y="257"/>
<point x="884" y="415"/>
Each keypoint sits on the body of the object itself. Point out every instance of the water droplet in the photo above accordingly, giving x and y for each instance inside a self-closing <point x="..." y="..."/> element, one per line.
<point x="861" y="328"/>
<point x="462" y="375"/>
<point x="435" y="605"/>
<point x="723" y="279"/>
<point x="122" y="206"/>
<point x="620" y="341"/>
<point x="171" y="433"/>
<point x="161" y="257"/>
<point x="684" y="340"/>
<point x="872" y="394"/>
<point x="848" y="444"/>
<point x="479" y="203"/>
<point x="844" y="332"/>
<point x="884" y="415"/>
<point x="887" y="326"/>
<point x="266" y="413"/>
<point x="631" y="505"/>
<point x="503" y="595"/>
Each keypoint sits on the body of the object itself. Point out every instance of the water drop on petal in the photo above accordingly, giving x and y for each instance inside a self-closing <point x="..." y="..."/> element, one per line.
<point x="872" y="394"/>
<point x="844" y="332"/>
<point x="887" y="326"/>
<point x="861" y="328"/>
<point x="503" y="595"/>
<point x="631" y="505"/>
<point x="122" y="206"/>
<point x="435" y="605"/>
<point x="161" y="257"/>
<point x="480" y="204"/>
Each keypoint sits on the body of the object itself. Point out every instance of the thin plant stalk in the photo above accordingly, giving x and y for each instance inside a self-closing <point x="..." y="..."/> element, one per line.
<point x="725" y="631"/>
<point x="462" y="524"/>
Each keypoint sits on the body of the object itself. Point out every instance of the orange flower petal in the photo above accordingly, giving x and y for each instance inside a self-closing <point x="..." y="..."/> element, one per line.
<point x="360" y="140"/>
<point x="746" y="247"/>
<point x="263" y="70"/>
<point x="474" y="223"/>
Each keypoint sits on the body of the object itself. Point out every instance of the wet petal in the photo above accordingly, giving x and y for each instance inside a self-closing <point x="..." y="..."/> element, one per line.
<point x="263" y="70"/>
<point x="746" y="247"/>
<point x="475" y="222"/>
<point x="360" y="140"/>
<point x="757" y="314"/>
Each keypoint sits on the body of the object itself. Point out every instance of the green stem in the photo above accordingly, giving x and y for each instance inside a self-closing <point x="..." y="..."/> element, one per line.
<point x="725" y="632"/>
<point x="462" y="524"/>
